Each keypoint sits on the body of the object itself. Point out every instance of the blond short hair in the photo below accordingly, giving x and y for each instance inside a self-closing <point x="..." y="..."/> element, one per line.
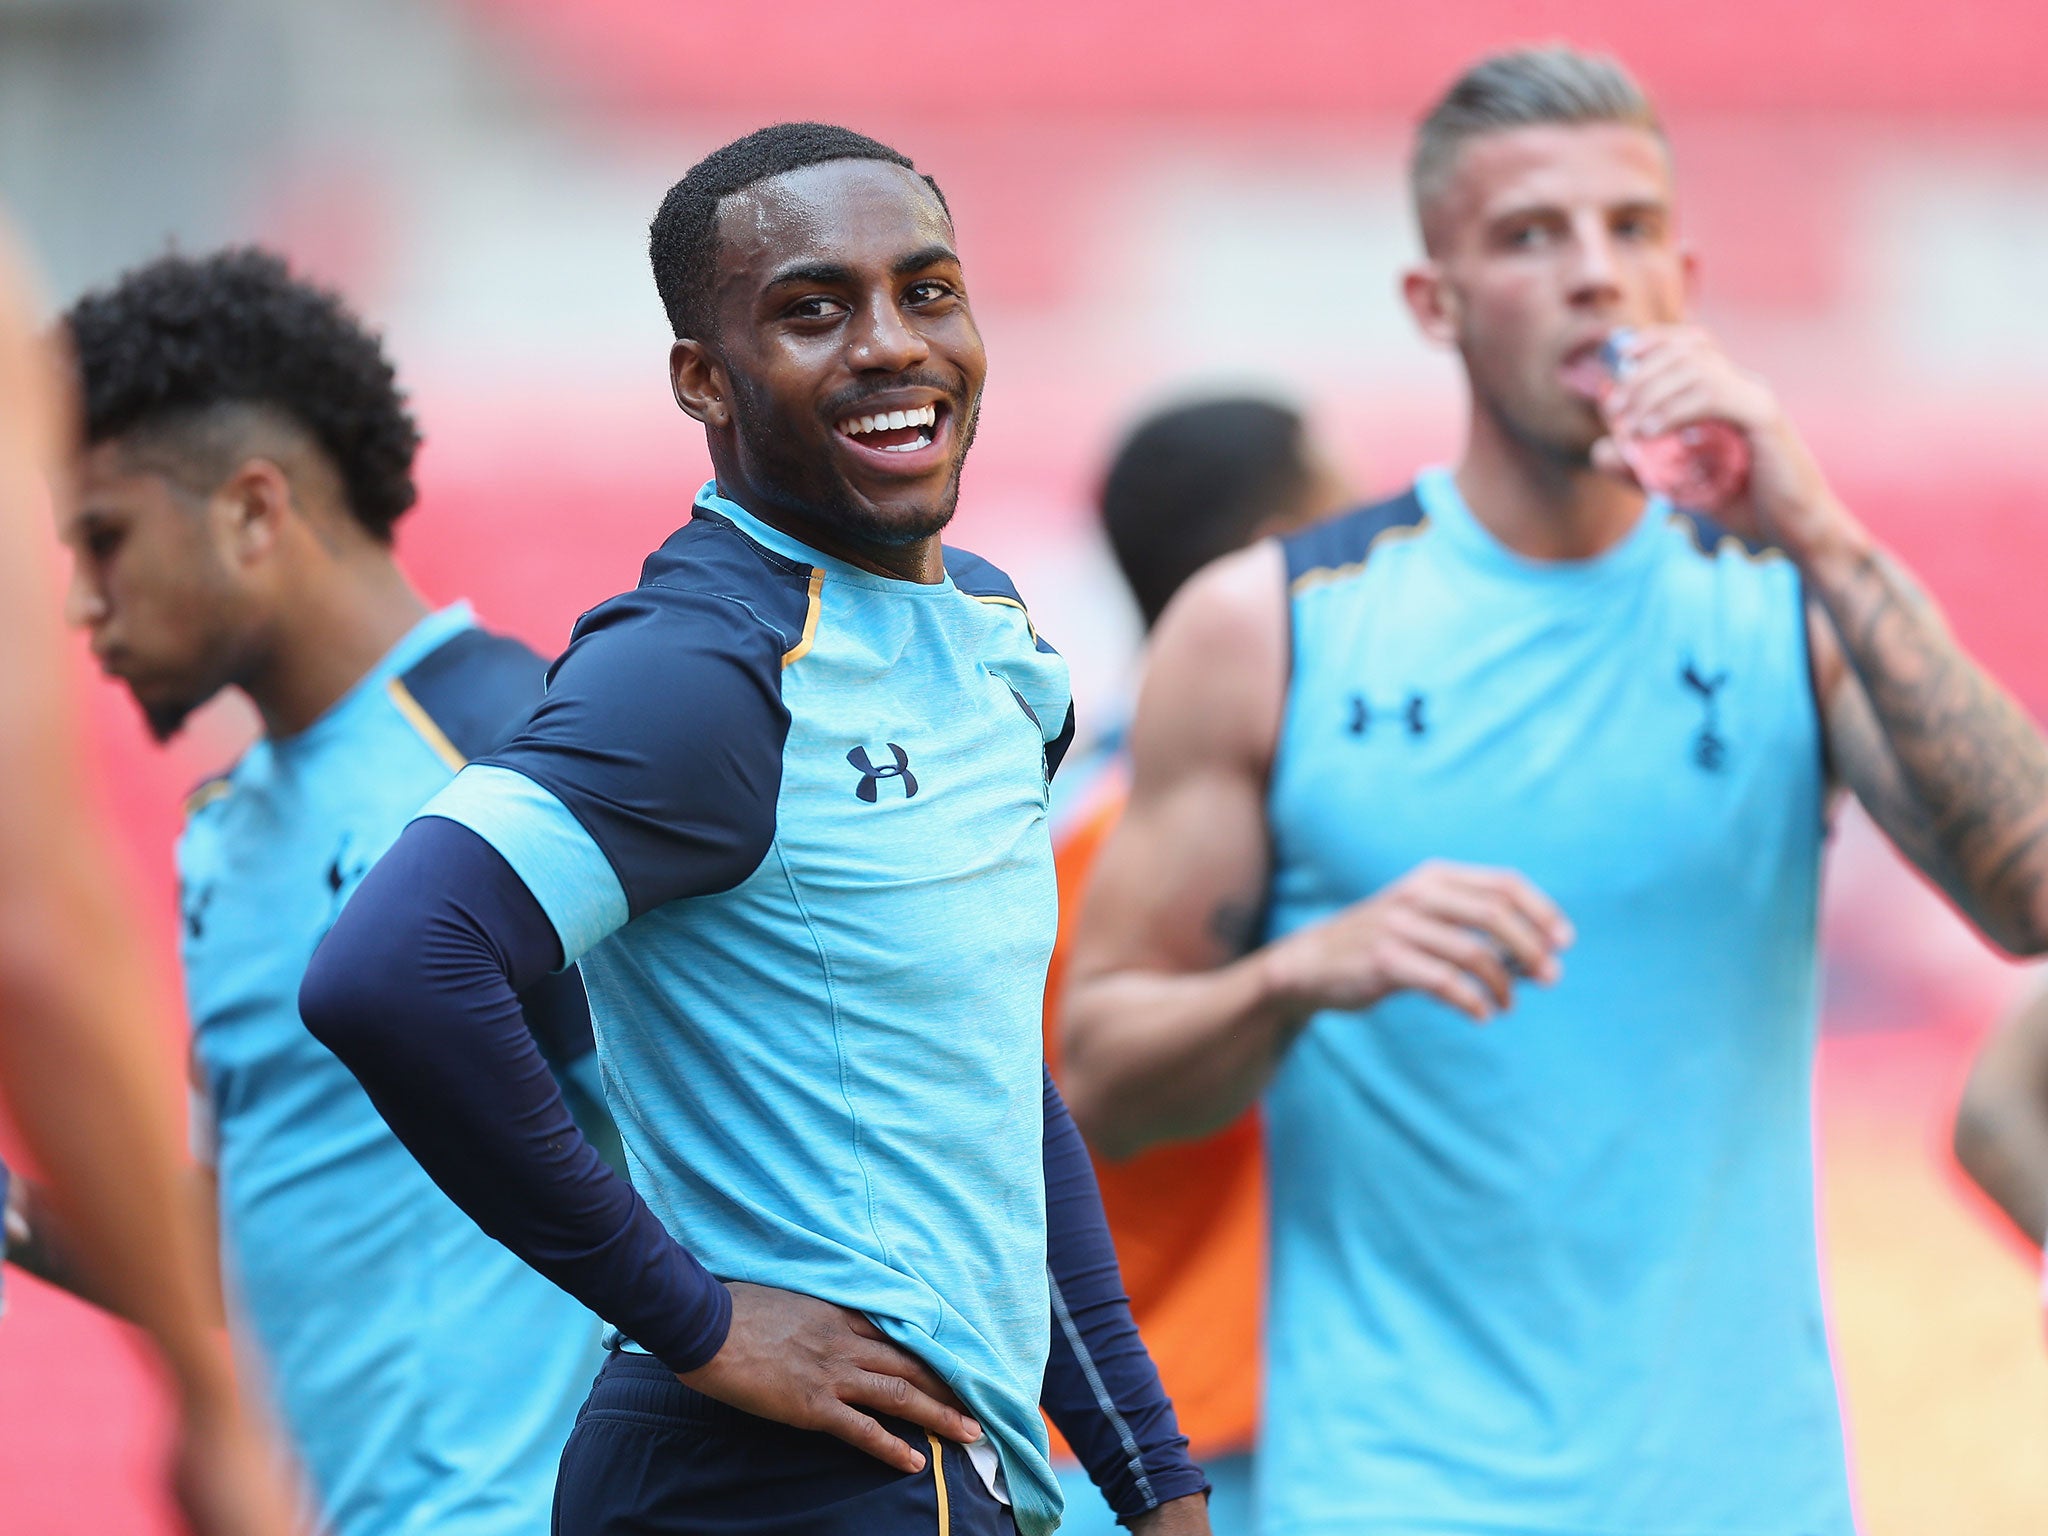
<point x="1522" y="88"/>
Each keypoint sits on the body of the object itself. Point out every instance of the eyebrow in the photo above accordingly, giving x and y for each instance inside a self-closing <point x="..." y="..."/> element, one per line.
<point x="828" y="274"/>
<point x="832" y="274"/>
<point x="931" y="256"/>
<point x="1551" y="209"/>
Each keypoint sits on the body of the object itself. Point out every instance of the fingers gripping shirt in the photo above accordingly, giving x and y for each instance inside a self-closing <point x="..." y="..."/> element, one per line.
<point x="791" y="817"/>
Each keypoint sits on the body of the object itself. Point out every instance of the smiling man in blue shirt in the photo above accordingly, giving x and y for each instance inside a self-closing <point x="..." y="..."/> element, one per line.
<point x="785" y="804"/>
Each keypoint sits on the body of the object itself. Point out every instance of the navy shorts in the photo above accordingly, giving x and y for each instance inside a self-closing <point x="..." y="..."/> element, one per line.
<point x="651" y="1457"/>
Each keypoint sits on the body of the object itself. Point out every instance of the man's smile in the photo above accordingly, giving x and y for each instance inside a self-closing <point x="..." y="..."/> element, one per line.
<point x="899" y="434"/>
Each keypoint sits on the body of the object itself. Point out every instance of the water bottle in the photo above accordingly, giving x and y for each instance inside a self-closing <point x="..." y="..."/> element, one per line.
<point x="1702" y="467"/>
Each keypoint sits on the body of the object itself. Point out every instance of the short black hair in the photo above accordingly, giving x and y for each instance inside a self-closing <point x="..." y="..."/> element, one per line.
<point x="173" y="341"/>
<point x="1194" y="482"/>
<point x="682" y="242"/>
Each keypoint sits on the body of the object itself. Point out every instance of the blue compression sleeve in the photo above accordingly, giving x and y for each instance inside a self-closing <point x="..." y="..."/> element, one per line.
<point x="415" y="989"/>
<point x="1101" y="1388"/>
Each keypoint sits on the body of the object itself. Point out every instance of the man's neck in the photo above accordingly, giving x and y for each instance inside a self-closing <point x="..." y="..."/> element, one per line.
<point x="922" y="560"/>
<point x="336" y="631"/>
<point x="1540" y="506"/>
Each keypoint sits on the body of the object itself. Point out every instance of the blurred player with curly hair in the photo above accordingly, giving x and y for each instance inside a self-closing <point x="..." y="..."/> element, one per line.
<point x="247" y="453"/>
<point x="79" y="1080"/>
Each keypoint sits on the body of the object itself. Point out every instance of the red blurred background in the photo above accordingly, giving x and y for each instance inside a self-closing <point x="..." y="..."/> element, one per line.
<point x="1152" y="198"/>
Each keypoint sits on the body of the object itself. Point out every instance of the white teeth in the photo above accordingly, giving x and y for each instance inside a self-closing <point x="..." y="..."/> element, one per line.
<point x="893" y="421"/>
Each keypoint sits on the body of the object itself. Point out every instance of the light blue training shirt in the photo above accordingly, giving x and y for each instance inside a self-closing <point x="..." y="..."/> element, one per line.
<point x="1556" y="1274"/>
<point x="426" y="1377"/>
<point x="790" y="818"/>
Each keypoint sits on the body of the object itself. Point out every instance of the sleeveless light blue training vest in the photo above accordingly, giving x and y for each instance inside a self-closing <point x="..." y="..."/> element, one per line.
<point x="1554" y="1274"/>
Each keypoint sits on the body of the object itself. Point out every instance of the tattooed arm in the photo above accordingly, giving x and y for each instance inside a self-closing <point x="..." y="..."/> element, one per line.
<point x="1173" y="1022"/>
<point x="1942" y="758"/>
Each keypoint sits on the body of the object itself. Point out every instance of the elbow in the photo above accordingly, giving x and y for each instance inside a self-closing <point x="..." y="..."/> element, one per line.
<point x="2031" y="940"/>
<point x="2020" y="935"/>
<point x="2012" y="912"/>
<point x="1097" y="1128"/>
<point x="1975" y="1133"/>
<point x="1080" y="1083"/>
<point x="1986" y="1114"/>
<point x="346" y="988"/>
<point x="1091" y="1096"/>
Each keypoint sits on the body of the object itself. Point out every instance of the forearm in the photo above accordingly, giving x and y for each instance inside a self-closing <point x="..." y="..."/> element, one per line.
<point x="1101" y="1387"/>
<point x="1151" y="1057"/>
<point x="1969" y="800"/>
<point x="36" y="1244"/>
<point x="81" y="1076"/>
<point x="415" y="991"/>
<point x="90" y="1090"/>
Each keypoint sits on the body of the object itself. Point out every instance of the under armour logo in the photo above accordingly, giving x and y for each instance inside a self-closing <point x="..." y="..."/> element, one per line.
<point x="1408" y="715"/>
<point x="1709" y="748"/>
<point x="871" y="777"/>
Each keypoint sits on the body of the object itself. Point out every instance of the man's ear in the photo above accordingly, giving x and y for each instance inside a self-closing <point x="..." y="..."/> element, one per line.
<point x="1689" y="264"/>
<point x="251" y="511"/>
<point x="700" y="383"/>
<point x="1432" y="302"/>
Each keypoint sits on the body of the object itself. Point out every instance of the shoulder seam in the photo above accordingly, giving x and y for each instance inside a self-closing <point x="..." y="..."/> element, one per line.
<point x="1695" y="528"/>
<point x="775" y="560"/>
<point x="1322" y="575"/>
<point x="813" y="606"/>
<point x="219" y="787"/>
<point x="753" y="614"/>
<point x="997" y="599"/>
<point x="423" y="724"/>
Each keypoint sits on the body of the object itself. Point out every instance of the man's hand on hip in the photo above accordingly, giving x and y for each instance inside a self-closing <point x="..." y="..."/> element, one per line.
<point x="805" y="1362"/>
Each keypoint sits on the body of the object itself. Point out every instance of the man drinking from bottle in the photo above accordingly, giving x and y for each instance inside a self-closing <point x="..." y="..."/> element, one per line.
<point x="1529" y="748"/>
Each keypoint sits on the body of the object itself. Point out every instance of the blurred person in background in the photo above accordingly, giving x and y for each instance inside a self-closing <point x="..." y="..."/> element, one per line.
<point x="247" y="453"/>
<point x="1557" y="1274"/>
<point x="786" y="803"/>
<point x="1188" y="484"/>
<point x="81" y="1078"/>
<point x="2001" y="1129"/>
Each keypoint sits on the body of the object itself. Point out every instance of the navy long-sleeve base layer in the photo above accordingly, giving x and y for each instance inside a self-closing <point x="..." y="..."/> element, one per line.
<point x="789" y="817"/>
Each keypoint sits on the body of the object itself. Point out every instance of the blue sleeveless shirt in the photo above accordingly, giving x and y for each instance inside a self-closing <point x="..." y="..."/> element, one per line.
<point x="1556" y="1273"/>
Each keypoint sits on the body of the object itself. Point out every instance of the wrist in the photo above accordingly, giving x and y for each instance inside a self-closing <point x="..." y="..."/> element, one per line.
<point x="1188" y="1513"/>
<point x="1279" y="987"/>
<point x="202" y="1375"/>
<point x="1800" y="513"/>
<point x="709" y="1328"/>
<point x="1827" y="544"/>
